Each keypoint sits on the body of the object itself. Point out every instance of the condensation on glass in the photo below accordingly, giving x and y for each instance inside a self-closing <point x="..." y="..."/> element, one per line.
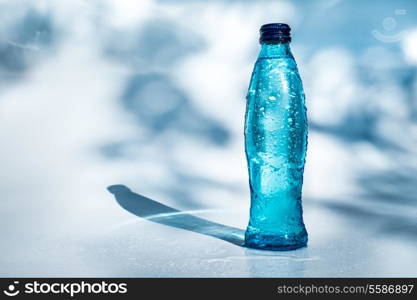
<point x="275" y="144"/>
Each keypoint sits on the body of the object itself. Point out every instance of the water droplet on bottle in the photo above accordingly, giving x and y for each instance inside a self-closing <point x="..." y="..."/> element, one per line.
<point x="272" y="98"/>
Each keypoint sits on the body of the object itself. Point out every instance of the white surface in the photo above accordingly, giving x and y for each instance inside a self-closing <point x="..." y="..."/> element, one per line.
<point x="140" y="247"/>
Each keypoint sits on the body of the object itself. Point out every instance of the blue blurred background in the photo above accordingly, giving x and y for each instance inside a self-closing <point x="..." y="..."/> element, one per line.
<point x="151" y="94"/>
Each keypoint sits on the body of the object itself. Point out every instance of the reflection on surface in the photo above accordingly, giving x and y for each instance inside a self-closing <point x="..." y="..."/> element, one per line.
<point x="276" y="262"/>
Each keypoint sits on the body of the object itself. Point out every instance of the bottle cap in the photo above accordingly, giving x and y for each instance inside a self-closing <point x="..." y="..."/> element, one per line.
<point x="275" y="33"/>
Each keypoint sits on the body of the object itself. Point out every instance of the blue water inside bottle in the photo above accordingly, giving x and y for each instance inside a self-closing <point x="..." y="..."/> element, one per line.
<point x="276" y="144"/>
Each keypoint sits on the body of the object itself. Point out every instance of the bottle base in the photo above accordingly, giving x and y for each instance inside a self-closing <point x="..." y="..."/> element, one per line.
<point x="275" y="242"/>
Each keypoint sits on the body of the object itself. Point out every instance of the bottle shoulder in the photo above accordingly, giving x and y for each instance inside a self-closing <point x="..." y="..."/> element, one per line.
<point x="275" y="75"/>
<point x="279" y="68"/>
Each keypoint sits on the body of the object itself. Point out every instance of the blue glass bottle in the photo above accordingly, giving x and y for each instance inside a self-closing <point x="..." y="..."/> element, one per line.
<point x="275" y="144"/>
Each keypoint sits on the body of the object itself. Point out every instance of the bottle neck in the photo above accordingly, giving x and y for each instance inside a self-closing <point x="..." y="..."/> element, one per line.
<point x="278" y="50"/>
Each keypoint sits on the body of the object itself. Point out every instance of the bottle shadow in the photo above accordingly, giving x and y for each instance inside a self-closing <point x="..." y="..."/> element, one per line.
<point x="154" y="211"/>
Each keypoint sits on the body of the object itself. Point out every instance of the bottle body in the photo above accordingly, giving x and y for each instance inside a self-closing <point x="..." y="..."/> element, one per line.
<point x="275" y="146"/>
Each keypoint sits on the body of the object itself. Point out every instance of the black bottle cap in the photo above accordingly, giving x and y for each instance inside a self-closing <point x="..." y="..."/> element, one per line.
<point x="275" y="33"/>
